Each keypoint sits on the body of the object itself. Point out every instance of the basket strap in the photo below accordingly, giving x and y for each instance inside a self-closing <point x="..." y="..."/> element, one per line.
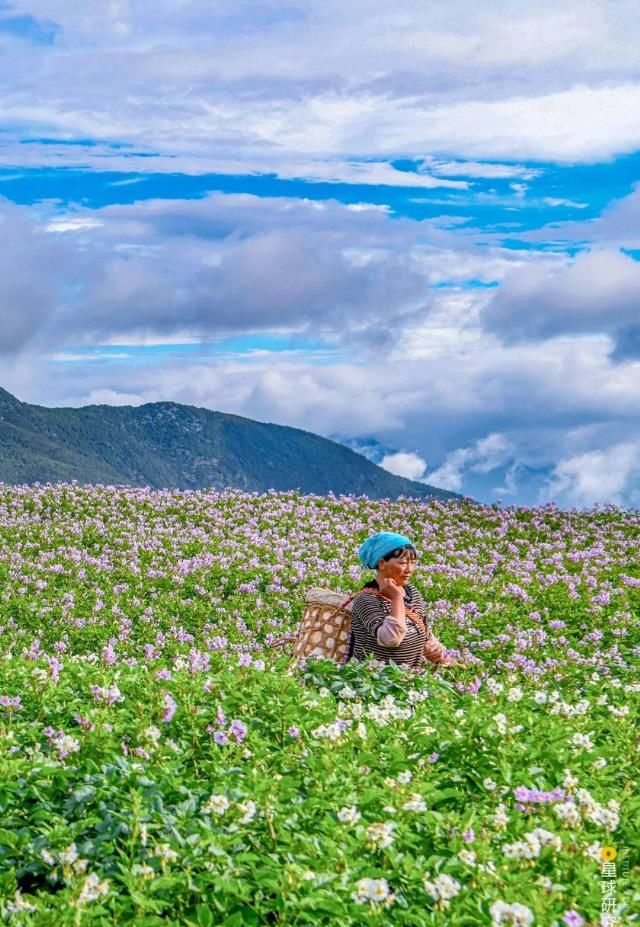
<point x="410" y="612"/>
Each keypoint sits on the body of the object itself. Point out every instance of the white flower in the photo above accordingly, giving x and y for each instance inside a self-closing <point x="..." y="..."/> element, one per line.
<point x="600" y="763"/>
<point x="405" y="776"/>
<point x="18" y="905"/>
<point x="416" y="803"/>
<point x="606" y="817"/>
<point x="153" y="733"/>
<point x="217" y="803"/>
<point x="540" y="697"/>
<point x="521" y="850"/>
<point x="349" y="815"/>
<point x="594" y="851"/>
<point x="467" y="856"/>
<point x="443" y="887"/>
<point x="166" y="854"/>
<point x="66" y="744"/>
<point x="501" y="818"/>
<point x="530" y="847"/>
<point x="494" y="686"/>
<point x="568" y="813"/>
<point x="376" y="890"/>
<point x="69" y="856"/>
<point x="569" y="781"/>
<point x="248" y="810"/>
<point x="582" y="740"/>
<point x="489" y="784"/>
<point x="143" y="870"/>
<point x="347" y="692"/>
<point x="514" y="694"/>
<point x="93" y="888"/>
<point x="501" y="722"/>
<point x="619" y="712"/>
<point x="517" y="914"/>
<point x="380" y="834"/>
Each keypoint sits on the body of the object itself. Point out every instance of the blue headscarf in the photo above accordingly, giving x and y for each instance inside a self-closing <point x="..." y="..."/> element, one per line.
<point x="378" y="545"/>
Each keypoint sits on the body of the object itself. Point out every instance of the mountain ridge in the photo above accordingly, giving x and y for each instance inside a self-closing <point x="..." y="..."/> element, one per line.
<point x="172" y="445"/>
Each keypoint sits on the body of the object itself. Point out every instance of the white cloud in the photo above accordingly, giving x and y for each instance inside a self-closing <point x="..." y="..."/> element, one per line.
<point x="479" y="169"/>
<point x="404" y="463"/>
<point x="269" y="81"/>
<point x="597" y="292"/>
<point x="486" y="454"/>
<point x="560" y="201"/>
<point x="597" y="476"/>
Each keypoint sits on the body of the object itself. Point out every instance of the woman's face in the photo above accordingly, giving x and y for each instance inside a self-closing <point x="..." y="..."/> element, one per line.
<point x="399" y="568"/>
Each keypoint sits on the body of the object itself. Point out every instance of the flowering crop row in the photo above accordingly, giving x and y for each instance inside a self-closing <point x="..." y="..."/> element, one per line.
<point x="161" y="764"/>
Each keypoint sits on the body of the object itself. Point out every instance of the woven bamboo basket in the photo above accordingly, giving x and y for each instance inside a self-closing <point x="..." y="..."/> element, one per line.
<point x="324" y="628"/>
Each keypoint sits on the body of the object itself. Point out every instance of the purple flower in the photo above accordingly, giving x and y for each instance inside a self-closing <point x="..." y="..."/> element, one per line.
<point x="469" y="835"/>
<point x="573" y="919"/>
<point x="170" y="708"/>
<point x="293" y="731"/>
<point x="109" y="655"/>
<point x="8" y="701"/>
<point x="433" y="757"/>
<point x="238" y="730"/>
<point x="221" y="738"/>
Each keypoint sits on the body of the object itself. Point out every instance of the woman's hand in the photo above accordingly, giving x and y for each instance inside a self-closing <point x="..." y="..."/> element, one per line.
<point x="390" y="589"/>
<point x="452" y="662"/>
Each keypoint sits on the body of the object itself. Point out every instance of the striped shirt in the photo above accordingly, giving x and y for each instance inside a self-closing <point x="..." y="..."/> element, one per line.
<point x="368" y="612"/>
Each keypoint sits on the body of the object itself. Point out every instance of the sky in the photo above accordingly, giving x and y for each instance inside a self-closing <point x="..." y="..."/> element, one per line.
<point x="412" y="229"/>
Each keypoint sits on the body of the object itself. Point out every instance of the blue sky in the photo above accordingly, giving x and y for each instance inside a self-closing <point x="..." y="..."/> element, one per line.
<point x="417" y="234"/>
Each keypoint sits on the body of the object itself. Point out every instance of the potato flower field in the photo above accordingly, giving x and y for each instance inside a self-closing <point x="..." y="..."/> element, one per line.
<point x="161" y="764"/>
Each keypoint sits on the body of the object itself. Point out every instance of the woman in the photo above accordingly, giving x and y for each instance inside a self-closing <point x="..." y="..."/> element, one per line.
<point x="388" y="622"/>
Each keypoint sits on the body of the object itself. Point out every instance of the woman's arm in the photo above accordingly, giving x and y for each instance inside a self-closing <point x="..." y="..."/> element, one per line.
<point x="389" y="630"/>
<point x="434" y="651"/>
<point x="392" y="631"/>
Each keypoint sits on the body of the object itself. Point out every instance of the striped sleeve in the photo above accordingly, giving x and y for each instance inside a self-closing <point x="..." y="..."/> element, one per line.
<point x="420" y="606"/>
<point x="417" y="601"/>
<point x="369" y="612"/>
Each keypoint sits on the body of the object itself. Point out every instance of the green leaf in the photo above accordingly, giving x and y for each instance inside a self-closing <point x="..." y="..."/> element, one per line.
<point x="204" y="915"/>
<point x="236" y="920"/>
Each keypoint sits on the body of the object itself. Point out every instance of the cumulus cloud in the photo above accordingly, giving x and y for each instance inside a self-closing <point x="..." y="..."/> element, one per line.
<point x="598" y="292"/>
<point x="483" y="456"/>
<point x="507" y="417"/>
<point x="600" y="475"/>
<point x="404" y="463"/>
<point x="30" y="262"/>
<point x="213" y="267"/>
<point x="275" y="81"/>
